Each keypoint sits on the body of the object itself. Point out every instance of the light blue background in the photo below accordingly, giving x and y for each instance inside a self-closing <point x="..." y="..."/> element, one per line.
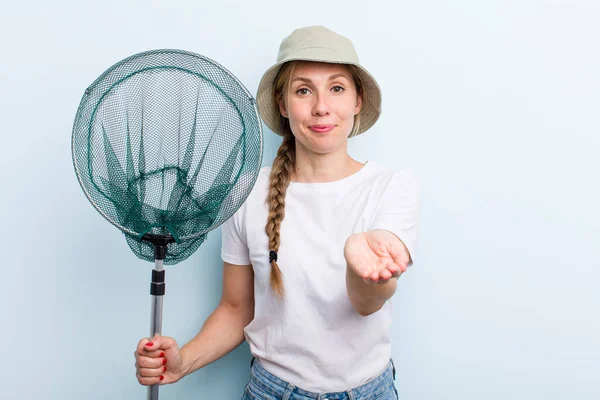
<point x="494" y="104"/>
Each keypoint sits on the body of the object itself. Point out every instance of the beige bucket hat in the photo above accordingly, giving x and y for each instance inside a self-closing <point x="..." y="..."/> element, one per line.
<point x="317" y="43"/>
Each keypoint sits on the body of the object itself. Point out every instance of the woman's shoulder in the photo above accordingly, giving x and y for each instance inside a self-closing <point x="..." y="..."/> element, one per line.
<point x="406" y="175"/>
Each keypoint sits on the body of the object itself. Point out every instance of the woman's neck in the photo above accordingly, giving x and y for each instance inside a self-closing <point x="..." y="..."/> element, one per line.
<point x="314" y="168"/>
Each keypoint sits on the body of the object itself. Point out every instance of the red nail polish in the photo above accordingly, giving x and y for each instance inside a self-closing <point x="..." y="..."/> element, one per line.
<point x="162" y="354"/>
<point x="149" y="344"/>
<point x="164" y="369"/>
<point x="164" y="361"/>
<point x="162" y="377"/>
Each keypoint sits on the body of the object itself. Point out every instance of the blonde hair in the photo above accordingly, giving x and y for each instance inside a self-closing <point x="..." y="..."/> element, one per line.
<point x="283" y="167"/>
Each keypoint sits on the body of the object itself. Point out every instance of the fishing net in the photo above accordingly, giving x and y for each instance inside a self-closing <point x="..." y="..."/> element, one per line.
<point x="167" y="143"/>
<point x="167" y="146"/>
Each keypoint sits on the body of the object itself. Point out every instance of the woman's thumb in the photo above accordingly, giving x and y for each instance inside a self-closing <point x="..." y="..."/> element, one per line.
<point x="159" y="342"/>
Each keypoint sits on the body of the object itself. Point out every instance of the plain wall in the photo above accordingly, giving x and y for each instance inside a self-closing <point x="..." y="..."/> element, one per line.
<point x="494" y="105"/>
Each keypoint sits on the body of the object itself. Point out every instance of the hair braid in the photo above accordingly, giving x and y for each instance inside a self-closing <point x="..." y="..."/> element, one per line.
<point x="281" y="174"/>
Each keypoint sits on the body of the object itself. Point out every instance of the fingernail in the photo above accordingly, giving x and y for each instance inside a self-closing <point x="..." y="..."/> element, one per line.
<point x="162" y="354"/>
<point x="164" y="369"/>
<point x="149" y="344"/>
<point x="162" y="377"/>
<point x="164" y="361"/>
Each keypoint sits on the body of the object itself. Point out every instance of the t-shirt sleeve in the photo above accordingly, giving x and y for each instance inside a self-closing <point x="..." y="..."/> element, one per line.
<point x="398" y="210"/>
<point x="234" y="249"/>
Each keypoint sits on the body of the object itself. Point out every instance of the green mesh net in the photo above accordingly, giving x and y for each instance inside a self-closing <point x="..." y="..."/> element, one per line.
<point x="167" y="142"/>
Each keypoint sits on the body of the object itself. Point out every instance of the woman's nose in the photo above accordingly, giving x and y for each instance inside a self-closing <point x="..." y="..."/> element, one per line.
<point x="321" y="105"/>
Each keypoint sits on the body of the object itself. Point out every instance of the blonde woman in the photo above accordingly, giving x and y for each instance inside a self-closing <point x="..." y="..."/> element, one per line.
<point x="312" y="258"/>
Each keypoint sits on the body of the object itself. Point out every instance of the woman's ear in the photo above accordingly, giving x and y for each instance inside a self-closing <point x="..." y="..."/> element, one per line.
<point x="358" y="104"/>
<point x="282" y="109"/>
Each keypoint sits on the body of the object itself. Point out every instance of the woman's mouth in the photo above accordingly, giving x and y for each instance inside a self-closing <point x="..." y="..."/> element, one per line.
<point x="321" y="128"/>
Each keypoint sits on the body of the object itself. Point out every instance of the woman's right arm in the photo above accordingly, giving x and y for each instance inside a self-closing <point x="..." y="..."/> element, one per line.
<point x="222" y="332"/>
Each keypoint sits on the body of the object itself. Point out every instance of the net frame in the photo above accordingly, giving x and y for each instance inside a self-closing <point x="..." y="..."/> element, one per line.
<point x="92" y="94"/>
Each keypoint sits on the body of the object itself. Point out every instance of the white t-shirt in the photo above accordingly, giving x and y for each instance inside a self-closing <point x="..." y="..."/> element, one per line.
<point x="314" y="338"/>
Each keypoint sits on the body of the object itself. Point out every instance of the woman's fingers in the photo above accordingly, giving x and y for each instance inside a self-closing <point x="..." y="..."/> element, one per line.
<point x="150" y="362"/>
<point x="150" y="372"/>
<point x="159" y="343"/>
<point x="144" y="345"/>
<point x="396" y="270"/>
<point x="151" y="354"/>
<point x="149" y="381"/>
<point x="385" y="275"/>
<point x="392" y="270"/>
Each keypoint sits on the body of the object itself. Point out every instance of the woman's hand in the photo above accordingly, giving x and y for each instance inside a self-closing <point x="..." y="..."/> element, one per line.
<point x="376" y="256"/>
<point x="151" y="363"/>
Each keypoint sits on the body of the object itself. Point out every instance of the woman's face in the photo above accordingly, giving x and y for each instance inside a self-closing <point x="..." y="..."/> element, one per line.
<point x="320" y="103"/>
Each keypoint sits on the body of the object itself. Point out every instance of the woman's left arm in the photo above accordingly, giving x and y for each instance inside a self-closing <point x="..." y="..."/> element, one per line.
<point x="373" y="258"/>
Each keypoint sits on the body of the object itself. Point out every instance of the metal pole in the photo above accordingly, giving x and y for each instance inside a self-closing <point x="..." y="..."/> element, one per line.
<point x="157" y="291"/>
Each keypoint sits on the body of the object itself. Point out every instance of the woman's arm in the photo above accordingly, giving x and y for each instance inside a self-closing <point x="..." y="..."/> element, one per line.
<point x="373" y="258"/>
<point x="368" y="298"/>
<point x="223" y="331"/>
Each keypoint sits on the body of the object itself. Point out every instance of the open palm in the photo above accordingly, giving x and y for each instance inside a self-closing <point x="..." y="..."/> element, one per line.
<point x="376" y="256"/>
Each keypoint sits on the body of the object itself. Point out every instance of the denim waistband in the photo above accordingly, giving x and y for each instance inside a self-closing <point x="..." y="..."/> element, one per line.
<point x="285" y="390"/>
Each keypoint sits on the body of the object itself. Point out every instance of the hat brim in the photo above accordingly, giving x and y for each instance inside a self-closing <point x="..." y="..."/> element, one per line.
<point x="369" y="113"/>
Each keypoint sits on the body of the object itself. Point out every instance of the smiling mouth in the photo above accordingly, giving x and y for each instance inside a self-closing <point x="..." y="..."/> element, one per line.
<point x="321" y="128"/>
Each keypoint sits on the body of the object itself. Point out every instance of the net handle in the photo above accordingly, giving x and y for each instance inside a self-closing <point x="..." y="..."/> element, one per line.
<point x="157" y="291"/>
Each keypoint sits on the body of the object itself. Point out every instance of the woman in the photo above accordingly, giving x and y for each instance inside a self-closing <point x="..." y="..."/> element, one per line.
<point x="313" y="255"/>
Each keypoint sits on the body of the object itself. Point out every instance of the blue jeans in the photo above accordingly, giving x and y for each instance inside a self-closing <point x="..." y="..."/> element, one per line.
<point x="265" y="386"/>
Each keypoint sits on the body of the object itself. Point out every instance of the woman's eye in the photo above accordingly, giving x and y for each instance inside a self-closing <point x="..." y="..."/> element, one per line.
<point x="302" y="91"/>
<point x="337" y="89"/>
